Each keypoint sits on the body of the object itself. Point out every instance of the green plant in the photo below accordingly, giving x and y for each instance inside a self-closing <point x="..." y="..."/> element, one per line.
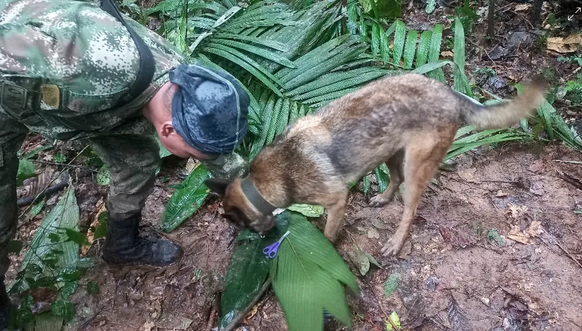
<point x="573" y="90"/>
<point x="307" y="275"/>
<point x="467" y="15"/>
<point x="51" y="268"/>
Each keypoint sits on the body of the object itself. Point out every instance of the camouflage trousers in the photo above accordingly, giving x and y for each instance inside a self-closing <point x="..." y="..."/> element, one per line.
<point x="132" y="160"/>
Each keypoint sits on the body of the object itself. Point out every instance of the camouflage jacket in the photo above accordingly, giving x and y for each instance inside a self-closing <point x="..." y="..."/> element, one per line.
<point x="79" y="60"/>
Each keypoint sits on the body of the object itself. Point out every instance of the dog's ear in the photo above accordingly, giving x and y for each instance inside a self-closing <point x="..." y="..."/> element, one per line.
<point x="217" y="186"/>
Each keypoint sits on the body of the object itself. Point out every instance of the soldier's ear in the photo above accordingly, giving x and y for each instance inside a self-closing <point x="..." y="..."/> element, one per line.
<point x="217" y="186"/>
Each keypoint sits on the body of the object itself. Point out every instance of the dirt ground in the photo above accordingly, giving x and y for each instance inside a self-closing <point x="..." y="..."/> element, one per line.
<point x="528" y="281"/>
<point x="516" y="190"/>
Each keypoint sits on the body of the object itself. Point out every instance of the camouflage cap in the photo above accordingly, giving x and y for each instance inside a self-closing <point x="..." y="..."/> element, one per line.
<point x="209" y="109"/>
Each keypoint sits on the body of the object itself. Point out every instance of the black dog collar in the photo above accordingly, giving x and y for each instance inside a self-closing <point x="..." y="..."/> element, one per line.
<point x="255" y="197"/>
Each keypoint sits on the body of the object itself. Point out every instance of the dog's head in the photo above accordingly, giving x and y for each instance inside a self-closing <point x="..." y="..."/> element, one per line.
<point x="238" y="210"/>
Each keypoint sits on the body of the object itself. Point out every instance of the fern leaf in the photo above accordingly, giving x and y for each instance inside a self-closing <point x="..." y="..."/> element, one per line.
<point x="255" y="50"/>
<point x="399" y="39"/>
<point x="410" y="49"/>
<point x="423" y="46"/>
<point x="435" y="51"/>
<point x="245" y="62"/>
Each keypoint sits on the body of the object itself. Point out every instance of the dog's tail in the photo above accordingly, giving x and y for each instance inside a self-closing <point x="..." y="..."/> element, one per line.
<point x="508" y="113"/>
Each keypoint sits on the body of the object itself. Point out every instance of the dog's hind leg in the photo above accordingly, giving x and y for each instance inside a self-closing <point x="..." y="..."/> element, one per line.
<point x="335" y="215"/>
<point x="423" y="157"/>
<point x="396" y="166"/>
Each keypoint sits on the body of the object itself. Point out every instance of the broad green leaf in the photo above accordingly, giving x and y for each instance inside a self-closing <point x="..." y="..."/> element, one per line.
<point x="103" y="177"/>
<point x="376" y="36"/>
<point x="423" y="46"/>
<point x="63" y="308"/>
<point x="399" y="40"/>
<point x="435" y="51"/>
<point x="47" y="322"/>
<point x="42" y="253"/>
<point x="92" y="287"/>
<point x="366" y="5"/>
<point x="76" y="237"/>
<point x="430" y="6"/>
<point x="394" y="319"/>
<point x="390" y="8"/>
<point x="308" y="275"/>
<point x="410" y="49"/>
<point x="35" y="210"/>
<point x="307" y="210"/>
<point x="186" y="199"/>
<point x="248" y="270"/>
<point x="384" y="48"/>
<point x="391" y="284"/>
<point x="382" y="177"/>
<point x="60" y="158"/>
<point x="36" y="151"/>
<point x="366" y="184"/>
<point x="26" y="169"/>
<point x="461" y="83"/>
<point x="492" y="234"/>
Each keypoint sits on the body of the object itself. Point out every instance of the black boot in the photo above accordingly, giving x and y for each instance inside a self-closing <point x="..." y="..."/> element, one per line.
<point x="124" y="246"/>
<point x="4" y="306"/>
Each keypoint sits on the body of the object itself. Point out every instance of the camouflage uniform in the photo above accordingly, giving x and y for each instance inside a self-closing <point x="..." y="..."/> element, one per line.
<point x="64" y="64"/>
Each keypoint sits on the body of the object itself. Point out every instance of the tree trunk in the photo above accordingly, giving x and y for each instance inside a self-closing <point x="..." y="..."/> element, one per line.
<point x="536" y="11"/>
<point x="491" y="19"/>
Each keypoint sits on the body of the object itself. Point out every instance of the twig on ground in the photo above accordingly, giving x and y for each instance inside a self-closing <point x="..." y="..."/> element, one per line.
<point x="48" y="191"/>
<point x="570" y="179"/>
<point x="213" y="312"/>
<point x="567" y="161"/>
<point x="52" y="181"/>
<point x="232" y="325"/>
<point x="61" y="164"/>
<point x="563" y="250"/>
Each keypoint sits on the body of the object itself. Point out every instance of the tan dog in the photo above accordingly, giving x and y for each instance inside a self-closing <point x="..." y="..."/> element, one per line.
<point x="408" y="121"/>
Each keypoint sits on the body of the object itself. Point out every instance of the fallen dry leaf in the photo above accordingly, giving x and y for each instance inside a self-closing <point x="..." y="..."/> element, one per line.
<point x="90" y="234"/>
<point x="252" y="313"/>
<point x="569" y="44"/>
<point x="535" y="229"/>
<point x="191" y="164"/>
<point x="456" y="238"/>
<point x="521" y="7"/>
<point x="468" y="175"/>
<point x="447" y="54"/>
<point x="515" y="234"/>
<point x="373" y="233"/>
<point x="516" y="211"/>
<point x="148" y="326"/>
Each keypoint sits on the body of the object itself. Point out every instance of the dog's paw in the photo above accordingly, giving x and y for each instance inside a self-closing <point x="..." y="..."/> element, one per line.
<point x="378" y="201"/>
<point x="392" y="247"/>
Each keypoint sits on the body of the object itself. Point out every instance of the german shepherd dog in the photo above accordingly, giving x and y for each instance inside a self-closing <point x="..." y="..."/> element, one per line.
<point x="407" y="121"/>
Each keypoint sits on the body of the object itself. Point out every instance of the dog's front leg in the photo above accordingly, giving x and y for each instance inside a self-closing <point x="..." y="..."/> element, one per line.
<point x="335" y="215"/>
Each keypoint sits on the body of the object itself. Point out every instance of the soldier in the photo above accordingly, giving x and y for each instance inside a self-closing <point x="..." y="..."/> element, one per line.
<point x="75" y="70"/>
